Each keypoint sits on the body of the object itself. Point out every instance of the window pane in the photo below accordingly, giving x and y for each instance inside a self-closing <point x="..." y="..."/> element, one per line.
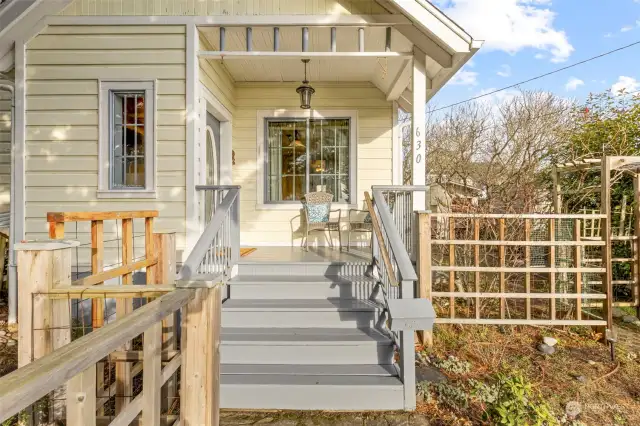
<point x="325" y="155"/>
<point x="127" y="140"/>
<point x="330" y="156"/>
<point x="287" y="160"/>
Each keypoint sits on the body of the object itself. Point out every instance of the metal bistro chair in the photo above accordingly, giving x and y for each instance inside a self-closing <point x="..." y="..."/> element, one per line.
<point x="317" y="211"/>
<point x="358" y="221"/>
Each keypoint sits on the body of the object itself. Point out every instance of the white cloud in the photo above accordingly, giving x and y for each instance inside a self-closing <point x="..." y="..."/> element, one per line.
<point x="505" y="71"/>
<point x="625" y="85"/>
<point x="511" y="25"/>
<point x="573" y="84"/>
<point x="465" y="78"/>
<point x="626" y="28"/>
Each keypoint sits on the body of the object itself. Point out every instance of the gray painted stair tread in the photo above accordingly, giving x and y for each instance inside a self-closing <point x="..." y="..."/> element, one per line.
<point x="299" y="279"/>
<point x="301" y="336"/>
<point x="308" y="380"/>
<point x="310" y="370"/>
<point x="290" y="305"/>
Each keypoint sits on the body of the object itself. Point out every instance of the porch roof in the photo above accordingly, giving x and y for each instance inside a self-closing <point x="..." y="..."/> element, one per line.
<point x="375" y="48"/>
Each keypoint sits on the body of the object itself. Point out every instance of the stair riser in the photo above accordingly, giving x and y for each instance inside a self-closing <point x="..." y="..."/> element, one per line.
<point x="360" y="291"/>
<point x="309" y="269"/>
<point x="281" y="397"/>
<point x="276" y="319"/>
<point x="311" y="354"/>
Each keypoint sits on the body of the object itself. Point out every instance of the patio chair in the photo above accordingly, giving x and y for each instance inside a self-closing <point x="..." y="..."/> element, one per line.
<point x="317" y="213"/>
<point x="358" y="221"/>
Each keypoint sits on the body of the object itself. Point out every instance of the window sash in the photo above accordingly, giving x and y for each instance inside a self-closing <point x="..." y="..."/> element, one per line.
<point x="338" y="181"/>
<point x="119" y="163"/>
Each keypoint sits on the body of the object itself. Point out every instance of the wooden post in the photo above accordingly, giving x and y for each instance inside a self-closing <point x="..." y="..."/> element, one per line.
<point x="605" y="209"/>
<point x="424" y="269"/>
<point x="636" y="247"/>
<point x="476" y="263"/>
<point x="56" y="230"/>
<point x="149" y="251"/>
<point x="165" y="274"/>
<point x="200" y="371"/>
<point x="501" y="258"/>
<point x="578" y="265"/>
<point x="43" y="324"/>
<point x="452" y="263"/>
<point x="124" y="384"/>
<point x="527" y="264"/>
<point x="152" y="375"/>
<point x="552" y="264"/>
<point x="557" y="194"/>
<point x="97" y="266"/>
<point x="81" y="399"/>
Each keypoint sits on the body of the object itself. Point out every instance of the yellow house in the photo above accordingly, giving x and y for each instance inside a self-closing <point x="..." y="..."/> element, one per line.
<point x="127" y="105"/>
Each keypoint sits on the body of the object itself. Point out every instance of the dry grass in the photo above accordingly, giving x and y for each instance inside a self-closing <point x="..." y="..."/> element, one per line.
<point x="609" y="396"/>
<point x="8" y="354"/>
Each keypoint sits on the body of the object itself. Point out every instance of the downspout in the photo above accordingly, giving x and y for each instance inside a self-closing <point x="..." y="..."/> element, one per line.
<point x="13" y="282"/>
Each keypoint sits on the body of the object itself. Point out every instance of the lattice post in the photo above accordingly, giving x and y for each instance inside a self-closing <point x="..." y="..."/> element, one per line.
<point x="452" y="263"/>
<point x="578" y="264"/>
<point x="552" y="265"/>
<point x="501" y="258"/>
<point x="635" y="270"/>
<point x="527" y="264"/>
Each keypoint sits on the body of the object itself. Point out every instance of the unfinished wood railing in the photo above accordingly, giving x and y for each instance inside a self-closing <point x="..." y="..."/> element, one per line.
<point x="513" y="269"/>
<point x="57" y="221"/>
<point x="69" y="379"/>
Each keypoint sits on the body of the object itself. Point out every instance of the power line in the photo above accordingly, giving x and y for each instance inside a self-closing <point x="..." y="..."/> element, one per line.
<point x="539" y="76"/>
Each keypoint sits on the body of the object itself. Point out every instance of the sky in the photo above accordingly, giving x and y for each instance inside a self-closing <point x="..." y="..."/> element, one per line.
<point x="526" y="38"/>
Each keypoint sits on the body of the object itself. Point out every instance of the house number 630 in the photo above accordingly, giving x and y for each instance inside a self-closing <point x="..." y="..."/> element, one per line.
<point x="418" y="147"/>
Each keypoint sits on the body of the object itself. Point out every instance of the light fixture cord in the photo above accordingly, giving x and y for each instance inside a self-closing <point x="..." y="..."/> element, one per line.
<point x="305" y="73"/>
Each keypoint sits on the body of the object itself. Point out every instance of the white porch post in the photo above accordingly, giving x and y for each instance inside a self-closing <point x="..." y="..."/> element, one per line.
<point x="419" y="171"/>
<point x="193" y="125"/>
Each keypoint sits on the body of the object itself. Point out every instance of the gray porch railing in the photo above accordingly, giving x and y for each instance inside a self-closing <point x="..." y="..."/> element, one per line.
<point x="397" y="281"/>
<point x="218" y="248"/>
<point x="399" y="198"/>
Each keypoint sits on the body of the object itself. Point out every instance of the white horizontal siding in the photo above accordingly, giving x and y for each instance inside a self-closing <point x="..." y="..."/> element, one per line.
<point x="374" y="149"/>
<point x="64" y="66"/>
<point x="222" y="7"/>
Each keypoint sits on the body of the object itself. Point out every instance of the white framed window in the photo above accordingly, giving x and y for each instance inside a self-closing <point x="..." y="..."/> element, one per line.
<point x="306" y="151"/>
<point x="127" y="139"/>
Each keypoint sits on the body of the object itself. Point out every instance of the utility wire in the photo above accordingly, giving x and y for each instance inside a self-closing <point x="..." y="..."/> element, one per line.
<point x="539" y="76"/>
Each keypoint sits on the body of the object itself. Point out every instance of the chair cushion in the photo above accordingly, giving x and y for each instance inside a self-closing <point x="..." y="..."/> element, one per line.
<point x="318" y="213"/>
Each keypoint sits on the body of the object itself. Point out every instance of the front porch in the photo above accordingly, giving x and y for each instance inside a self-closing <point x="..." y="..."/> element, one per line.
<point x="313" y="255"/>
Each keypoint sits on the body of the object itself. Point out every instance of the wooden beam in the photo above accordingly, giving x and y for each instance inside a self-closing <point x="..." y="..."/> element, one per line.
<point x="401" y="81"/>
<point x="124" y="270"/>
<point x="97" y="266"/>
<point x="383" y="248"/>
<point x="89" y="216"/>
<point x="227" y="54"/>
<point x="424" y="268"/>
<point x="232" y="20"/>
<point x="605" y="209"/>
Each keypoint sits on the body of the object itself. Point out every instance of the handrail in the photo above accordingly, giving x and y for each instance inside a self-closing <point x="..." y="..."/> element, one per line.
<point x="28" y="384"/>
<point x="58" y="217"/>
<point x="405" y="267"/>
<point x="383" y="248"/>
<point x="203" y="244"/>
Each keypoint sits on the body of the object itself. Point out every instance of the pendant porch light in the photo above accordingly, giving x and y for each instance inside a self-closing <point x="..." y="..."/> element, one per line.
<point x="305" y="90"/>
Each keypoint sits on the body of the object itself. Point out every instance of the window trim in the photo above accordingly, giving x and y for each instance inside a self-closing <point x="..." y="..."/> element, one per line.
<point x="261" y="130"/>
<point x="149" y="87"/>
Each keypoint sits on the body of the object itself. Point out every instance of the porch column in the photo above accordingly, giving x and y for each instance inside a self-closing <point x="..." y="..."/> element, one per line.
<point x="419" y="170"/>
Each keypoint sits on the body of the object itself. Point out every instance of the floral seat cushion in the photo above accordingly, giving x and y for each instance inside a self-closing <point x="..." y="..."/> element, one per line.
<point x="318" y="213"/>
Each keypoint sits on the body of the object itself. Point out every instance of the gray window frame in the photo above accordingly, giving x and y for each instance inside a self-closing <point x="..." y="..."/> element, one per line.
<point x="351" y="163"/>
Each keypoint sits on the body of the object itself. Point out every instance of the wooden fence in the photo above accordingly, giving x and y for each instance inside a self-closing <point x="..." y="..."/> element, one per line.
<point x="513" y="269"/>
<point x="116" y="368"/>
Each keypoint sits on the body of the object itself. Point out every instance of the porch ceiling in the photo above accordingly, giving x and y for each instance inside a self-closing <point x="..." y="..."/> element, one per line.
<point x="379" y="71"/>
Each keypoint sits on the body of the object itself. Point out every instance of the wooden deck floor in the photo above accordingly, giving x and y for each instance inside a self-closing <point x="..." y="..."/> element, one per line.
<point x="315" y="254"/>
